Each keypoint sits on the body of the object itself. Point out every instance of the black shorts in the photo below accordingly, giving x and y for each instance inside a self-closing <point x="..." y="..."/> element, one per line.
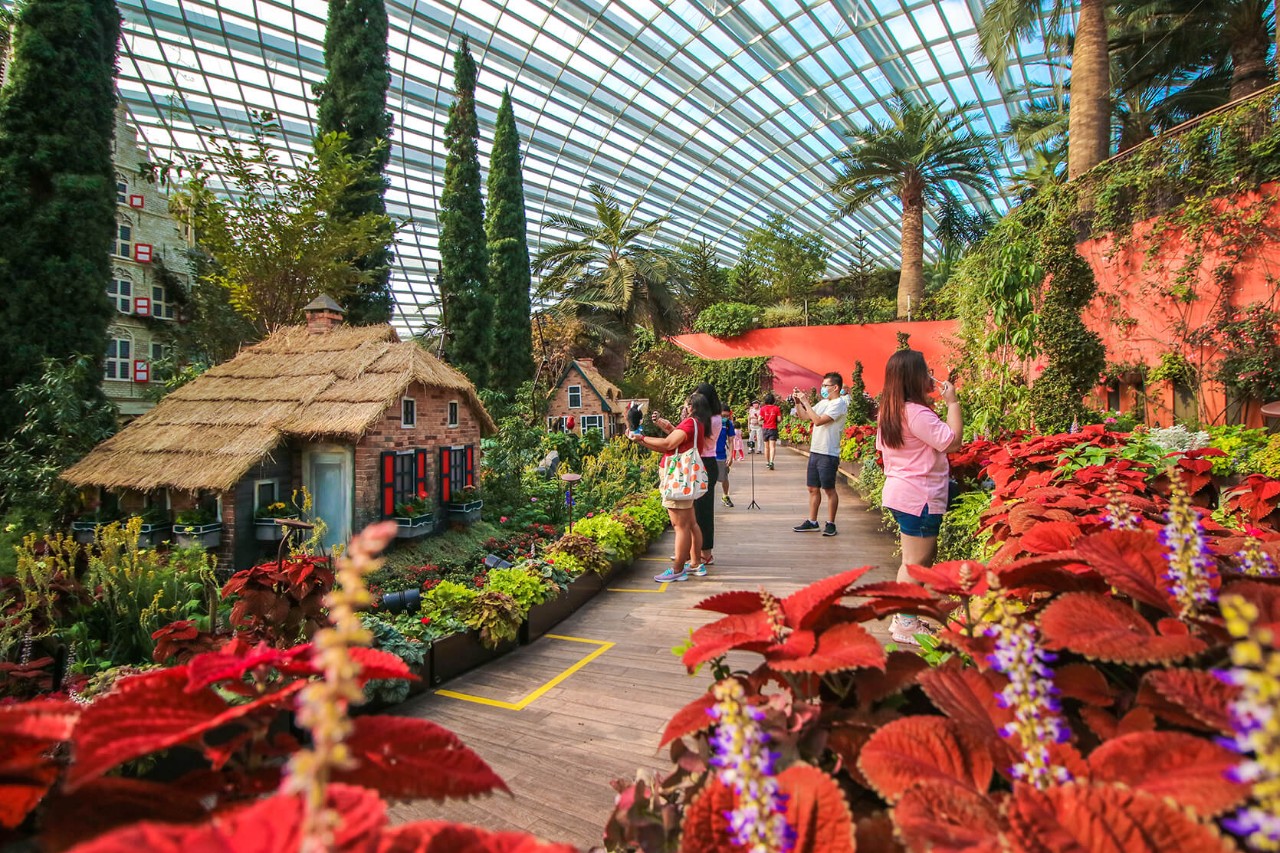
<point x="822" y="471"/>
<point x="769" y="435"/>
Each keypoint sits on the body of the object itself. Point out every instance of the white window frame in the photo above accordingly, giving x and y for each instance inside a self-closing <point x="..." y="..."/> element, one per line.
<point x="122" y="189"/>
<point x="123" y="302"/>
<point x="451" y="418"/>
<point x="124" y="239"/>
<point x="587" y="422"/>
<point x="275" y="482"/>
<point x="555" y="424"/>
<point x="570" y="391"/>
<point x="408" y="413"/>
<point x="161" y="306"/>
<point x="115" y="359"/>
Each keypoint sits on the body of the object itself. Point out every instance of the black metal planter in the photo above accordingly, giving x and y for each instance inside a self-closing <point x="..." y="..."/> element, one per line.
<point x="543" y="617"/>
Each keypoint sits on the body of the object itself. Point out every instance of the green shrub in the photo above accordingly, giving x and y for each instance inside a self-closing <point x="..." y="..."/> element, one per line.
<point x="959" y="538"/>
<point x="387" y="638"/>
<point x="638" y="536"/>
<point x="651" y="513"/>
<point x="449" y="604"/>
<point x="782" y="314"/>
<point x="727" y="319"/>
<point x="1266" y="459"/>
<point x="570" y="565"/>
<point x="584" y="550"/>
<point x="496" y="616"/>
<point x="1239" y="443"/>
<point x="525" y="588"/>
<point x="609" y="533"/>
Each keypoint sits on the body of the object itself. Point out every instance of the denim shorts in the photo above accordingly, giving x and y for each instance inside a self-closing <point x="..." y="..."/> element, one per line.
<point x="925" y="525"/>
<point x="821" y="473"/>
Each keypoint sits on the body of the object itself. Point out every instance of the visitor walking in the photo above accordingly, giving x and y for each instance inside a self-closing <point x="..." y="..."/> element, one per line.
<point x="827" y="416"/>
<point x="914" y="443"/>
<point x="724" y="453"/>
<point x="769" y="414"/>
<point x="756" y="441"/>
<point x="704" y="508"/>
<point x="695" y="421"/>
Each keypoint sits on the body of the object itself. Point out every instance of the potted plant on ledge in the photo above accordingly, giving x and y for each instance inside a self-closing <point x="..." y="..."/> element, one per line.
<point x="465" y="505"/>
<point x="265" y="527"/>
<point x="155" y="524"/>
<point x="414" y="518"/>
<point x="85" y="528"/>
<point x="198" y="527"/>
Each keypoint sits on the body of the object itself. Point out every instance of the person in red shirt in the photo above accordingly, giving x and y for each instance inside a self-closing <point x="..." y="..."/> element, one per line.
<point x="769" y="414"/>
<point x="694" y="424"/>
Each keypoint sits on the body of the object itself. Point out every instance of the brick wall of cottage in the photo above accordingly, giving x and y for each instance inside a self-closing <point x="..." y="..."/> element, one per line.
<point x="591" y="403"/>
<point x="432" y="432"/>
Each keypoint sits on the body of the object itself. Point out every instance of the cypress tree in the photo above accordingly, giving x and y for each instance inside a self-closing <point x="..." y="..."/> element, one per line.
<point x="511" y="359"/>
<point x="464" y="257"/>
<point x="57" y="192"/>
<point x="353" y="100"/>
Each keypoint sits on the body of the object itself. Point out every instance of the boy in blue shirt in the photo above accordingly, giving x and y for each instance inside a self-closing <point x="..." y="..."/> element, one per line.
<point x="724" y="460"/>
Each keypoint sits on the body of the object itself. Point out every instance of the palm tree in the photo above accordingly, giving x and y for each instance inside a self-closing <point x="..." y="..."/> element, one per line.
<point x="605" y="273"/>
<point x="917" y="155"/>
<point x="1005" y="23"/>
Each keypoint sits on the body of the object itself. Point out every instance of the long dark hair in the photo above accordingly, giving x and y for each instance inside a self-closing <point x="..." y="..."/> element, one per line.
<point x="713" y="399"/>
<point x="700" y="411"/>
<point x="906" y="380"/>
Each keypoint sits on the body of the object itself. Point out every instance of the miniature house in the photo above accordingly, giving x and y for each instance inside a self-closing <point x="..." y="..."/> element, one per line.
<point x="592" y="402"/>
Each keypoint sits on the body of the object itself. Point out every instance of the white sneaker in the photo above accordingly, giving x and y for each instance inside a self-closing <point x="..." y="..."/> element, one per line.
<point x="903" y="629"/>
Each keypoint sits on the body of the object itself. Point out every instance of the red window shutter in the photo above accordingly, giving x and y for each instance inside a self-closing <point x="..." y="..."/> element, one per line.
<point x="137" y="201"/>
<point x="420" y="472"/>
<point x="388" y="472"/>
<point x="471" y="464"/>
<point x="142" y="306"/>
<point x="142" y="252"/>
<point x="445" y="490"/>
<point x="141" y="370"/>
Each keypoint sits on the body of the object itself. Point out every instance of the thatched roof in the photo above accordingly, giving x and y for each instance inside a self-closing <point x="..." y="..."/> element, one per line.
<point x="211" y="431"/>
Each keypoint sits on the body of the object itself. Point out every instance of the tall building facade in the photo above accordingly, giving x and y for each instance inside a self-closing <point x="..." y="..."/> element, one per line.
<point x="148" y="265"/>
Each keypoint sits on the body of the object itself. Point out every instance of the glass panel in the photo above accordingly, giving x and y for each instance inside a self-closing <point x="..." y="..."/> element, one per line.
<point x="329" y="476"/>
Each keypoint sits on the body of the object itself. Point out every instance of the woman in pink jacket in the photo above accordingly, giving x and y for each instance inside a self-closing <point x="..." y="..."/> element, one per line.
<point x="914" y="443"/>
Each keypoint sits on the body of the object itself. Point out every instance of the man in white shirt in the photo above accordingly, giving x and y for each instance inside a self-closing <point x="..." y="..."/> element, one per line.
<point x="828" y="416"/>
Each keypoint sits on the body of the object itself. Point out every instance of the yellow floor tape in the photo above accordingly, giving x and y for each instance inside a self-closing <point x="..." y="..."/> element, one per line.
<point x="527" y="700"/>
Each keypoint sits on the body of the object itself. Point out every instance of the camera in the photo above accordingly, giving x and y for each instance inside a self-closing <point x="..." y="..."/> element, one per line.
<point x="751" y="444"/>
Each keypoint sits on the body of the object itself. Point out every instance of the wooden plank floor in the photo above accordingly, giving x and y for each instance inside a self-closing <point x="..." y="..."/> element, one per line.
<point x="560" y="752"/>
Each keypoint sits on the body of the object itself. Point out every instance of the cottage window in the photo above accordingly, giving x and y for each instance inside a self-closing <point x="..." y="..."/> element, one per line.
<point x="122" y="189"/>
<point x="453" y="413"/>
<point x="457" y="471"/>
<point x="555" y="424"/>
<point x="120" y="292"/>
<point x="592" y="422"/>
<point x="124" y="240"/>
<point x="160" y="305"/>
<point x="119" y="355"/>
<point x="159" y="352"/>
<point x="265" y="493"/>
<point x="408" y="412"/>
<point x="406" y="485"/>
<point x="1113" y="395"/>
<point x="575" y="396"/>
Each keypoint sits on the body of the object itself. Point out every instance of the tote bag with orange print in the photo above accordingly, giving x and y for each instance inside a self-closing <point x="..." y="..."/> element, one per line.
<point x="684" y="476"/>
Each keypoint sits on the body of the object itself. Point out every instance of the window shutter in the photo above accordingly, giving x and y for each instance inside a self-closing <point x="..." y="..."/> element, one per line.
<point x="141" y="370"/>
<point x="471" y="465"/>
<point x="445" y="490"/>
<point x="420" y="472"/>
<point x="388" y="470"/>
<point x="136" y="201"/>
<point x="142" y="253"/>
<point x="142" y="306"/>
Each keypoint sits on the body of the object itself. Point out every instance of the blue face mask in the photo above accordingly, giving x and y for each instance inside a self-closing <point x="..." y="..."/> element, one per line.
<point x="826" y="392"/>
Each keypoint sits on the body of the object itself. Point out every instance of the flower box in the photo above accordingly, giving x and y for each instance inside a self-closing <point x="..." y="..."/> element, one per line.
<point x="543" y="617"/>
<point x="414" y="526"/>
<point x="266" y="530"/>
<point x="467" y="513"/>
<point x="151" y="535"/>
<point x="200" y="535"/>
<point x="453" y="655"/>
<point x="85" y="532"/>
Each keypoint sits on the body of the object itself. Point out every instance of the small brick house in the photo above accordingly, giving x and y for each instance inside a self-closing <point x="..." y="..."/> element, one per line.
<point x="362" y="420"/>
<point x="591" y="400"/>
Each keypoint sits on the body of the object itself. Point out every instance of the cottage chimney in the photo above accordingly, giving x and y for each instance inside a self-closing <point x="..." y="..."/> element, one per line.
<point x="587" y="362"/>
<point x="323" y="314"/>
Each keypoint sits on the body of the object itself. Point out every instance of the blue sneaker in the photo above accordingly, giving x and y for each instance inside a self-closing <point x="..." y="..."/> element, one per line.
<point x="669" y="575"/>
<point x="699" y="570"/>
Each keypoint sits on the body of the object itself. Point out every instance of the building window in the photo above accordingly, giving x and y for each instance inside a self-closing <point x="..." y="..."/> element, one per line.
<point x="160" y="305"/>
<point x="119" y="363"/>
<point x="124" y="240"/>
<point x="122" y="190"/>
<point x="575" y="396"/>
<point x="265" y="493"/>
<point x="120" y="292"/>
<point x="592" y="422"/>
<point x="555" y="424"/>
<point x="1113" y="395"/>
<point x="453" y="413"/>
<point x="408" y="412"/>
<point x="406" y="480"/>
<point x="160" y="352"/>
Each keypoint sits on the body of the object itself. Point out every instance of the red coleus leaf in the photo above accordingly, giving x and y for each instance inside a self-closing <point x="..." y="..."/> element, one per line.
<point x="805" y="606"/>
<point x="900" y="671"/>
<point x="236" y="658"/>
<point x="1107" y="727"/>
<point x="1083" y="682"/>
<point x="705" y="828"/>
<point x="945" y="817"/>
<point x="27" y="732"/>
<point x="954" y="577"/>
<point x="1185" y="769"/>
<point x="898" y="590"/>
<point x="874" y="834"/>
<point x="1132" y="561"/>
<point x="106" y="804"/>
<point x="434" y="836"/>
<point x="1058" y="572"/>
<point x="1102" y="628"/>
<point x="689" y="719"/>
<point x="739" y="630"/>
<point x="1255" y="498"/>
<point x="969" y="697"/>
<point x="409" y="758"/>
<point x="735" y="602"/>
<point x="1102" y="818"/>
<point x="841" y="647"/>
<point x="1189" y="697"/>
<point x="374" y="664"/>
<point x="909" y="749"/>
<point x="1050" y="537"/>
<point x="109" y="732"/>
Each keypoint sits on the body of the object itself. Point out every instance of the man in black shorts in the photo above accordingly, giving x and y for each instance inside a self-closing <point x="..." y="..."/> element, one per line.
<point x="828" y="416"/>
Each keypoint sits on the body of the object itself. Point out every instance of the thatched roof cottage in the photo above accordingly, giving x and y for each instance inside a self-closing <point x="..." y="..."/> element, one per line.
<point x="363" y="420"/>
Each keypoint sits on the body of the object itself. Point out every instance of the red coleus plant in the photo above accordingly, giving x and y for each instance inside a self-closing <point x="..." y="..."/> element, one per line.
<point x="280" y="603"/>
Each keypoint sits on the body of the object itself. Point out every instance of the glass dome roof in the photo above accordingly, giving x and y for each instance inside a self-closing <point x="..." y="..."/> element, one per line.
<point x="714" y="113"/>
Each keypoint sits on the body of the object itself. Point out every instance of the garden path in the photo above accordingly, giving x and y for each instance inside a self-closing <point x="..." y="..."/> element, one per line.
<point x="604" y="721"/>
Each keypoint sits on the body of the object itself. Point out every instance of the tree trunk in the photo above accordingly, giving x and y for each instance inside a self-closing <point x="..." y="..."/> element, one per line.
<point x="911" y="279"/>
<point x="1249" y="71"/>
<point x="1089" y="130"/>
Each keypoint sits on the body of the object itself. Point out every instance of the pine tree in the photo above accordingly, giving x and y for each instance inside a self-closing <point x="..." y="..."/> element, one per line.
<point x="861" y="406"/>
<point x="511" y="359"/>
<point x="353" y="100"/>
<point x="464" y="257"/>
<point x="57" y="192"/>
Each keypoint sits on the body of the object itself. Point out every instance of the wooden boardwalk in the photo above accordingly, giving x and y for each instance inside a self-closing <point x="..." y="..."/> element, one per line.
<point x="603" y="722"/>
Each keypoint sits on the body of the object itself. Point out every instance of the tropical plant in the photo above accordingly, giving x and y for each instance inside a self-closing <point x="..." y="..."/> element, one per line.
<point x="917" y="155"/>
<point x="525" y="587"/>
<point x="727" y="319"/>
<point x="585" y="552"/>
<point x="387" y="638"/>
<point x="607" y="274"/>
<point x="352" y="101"/>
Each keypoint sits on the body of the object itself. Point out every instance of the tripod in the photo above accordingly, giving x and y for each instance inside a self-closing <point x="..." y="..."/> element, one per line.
<point x="751" y="448"/>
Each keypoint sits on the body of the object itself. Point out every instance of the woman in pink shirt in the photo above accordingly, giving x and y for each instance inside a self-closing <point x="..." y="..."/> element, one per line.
<point x="914" y="443"/>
